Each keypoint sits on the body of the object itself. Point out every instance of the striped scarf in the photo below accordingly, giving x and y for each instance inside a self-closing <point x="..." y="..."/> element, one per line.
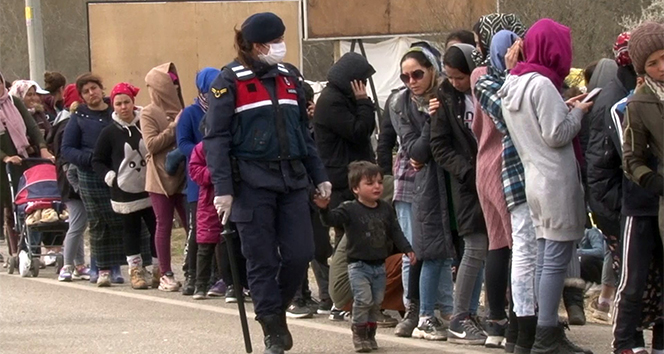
<point x="656" y="86"/>
<point x="202" y="101"/>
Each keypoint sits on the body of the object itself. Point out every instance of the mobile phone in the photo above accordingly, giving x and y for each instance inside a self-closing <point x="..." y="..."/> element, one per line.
<point x="592" y="95"/>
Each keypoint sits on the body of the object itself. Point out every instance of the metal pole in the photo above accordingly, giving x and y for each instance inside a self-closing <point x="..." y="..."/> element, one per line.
<point x="33" y="24"/>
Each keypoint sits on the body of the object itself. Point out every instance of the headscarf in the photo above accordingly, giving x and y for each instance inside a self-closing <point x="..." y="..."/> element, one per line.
<point x="467" y="51"/>
<point x="124" y="88"/>
<point x="71" y="95"/>
<point x="620" y="49"/>
<point x="548" y="51"/>
<point x="20" y="88"/>
<point x="501" y="42"/>
<point x="204" y="79"/>
<point x="12" y="122"/>
<point x="488" y="26"/>
<point x="422" y="101"/>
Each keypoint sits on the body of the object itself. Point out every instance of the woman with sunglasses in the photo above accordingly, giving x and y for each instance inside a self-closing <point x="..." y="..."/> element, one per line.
<point x="454" y="147"/>
<point x="432" y="236"/>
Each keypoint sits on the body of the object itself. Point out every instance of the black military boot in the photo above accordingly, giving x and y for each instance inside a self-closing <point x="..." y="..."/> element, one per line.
<point x="272" y="330"/>
<point x="287" y="337"/>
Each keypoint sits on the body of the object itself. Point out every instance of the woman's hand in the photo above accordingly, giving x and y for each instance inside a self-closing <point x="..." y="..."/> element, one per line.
<point x="310" y="109"/>
<point x="585" y="107"/>
<point x="433" y="106"/>
<point x="359" y="89"/>
<point x="513" y="53"/>
<point x="45" y="154"/>
<point x="416" y="165"/>
<point x="15" y="160"/>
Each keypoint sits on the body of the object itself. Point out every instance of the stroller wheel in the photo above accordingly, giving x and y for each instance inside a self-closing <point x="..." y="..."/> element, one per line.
<point x="35" y="267"/>
<point x="12" y="264"/>
<point x="59" y="262"/>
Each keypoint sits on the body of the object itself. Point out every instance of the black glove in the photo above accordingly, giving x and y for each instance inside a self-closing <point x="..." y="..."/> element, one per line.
<point x="653" y="182"/>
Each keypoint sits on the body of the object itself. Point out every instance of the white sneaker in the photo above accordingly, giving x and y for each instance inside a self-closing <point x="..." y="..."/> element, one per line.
<point x="49" y="259"/>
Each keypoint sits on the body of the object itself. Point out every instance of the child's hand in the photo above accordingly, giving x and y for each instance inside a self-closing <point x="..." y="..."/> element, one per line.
<point x="321" y="202"/>
<point x="411" y="256"/>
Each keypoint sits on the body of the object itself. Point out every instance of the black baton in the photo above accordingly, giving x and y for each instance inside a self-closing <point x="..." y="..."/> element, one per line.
<point x="228" y="234"/>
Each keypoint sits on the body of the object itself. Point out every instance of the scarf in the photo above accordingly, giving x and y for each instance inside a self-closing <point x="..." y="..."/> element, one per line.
<point x="657" y="87"/>
<point x="488" y="26"/>
<point x="202" y="101"/>
<point x="422" y="102"/>
<point x="12" y="122"/>
<point x="548" y="51"/>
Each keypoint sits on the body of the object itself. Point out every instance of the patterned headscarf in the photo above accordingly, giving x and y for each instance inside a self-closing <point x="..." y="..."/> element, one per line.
<point x="620" y="49"/>
<point x="488" y="26"/>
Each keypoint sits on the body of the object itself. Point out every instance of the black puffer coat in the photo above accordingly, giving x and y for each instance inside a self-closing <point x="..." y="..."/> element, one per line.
<point x="342" y="124"/>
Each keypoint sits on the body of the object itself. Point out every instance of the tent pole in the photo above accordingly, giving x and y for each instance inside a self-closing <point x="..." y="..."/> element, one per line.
<point x="371" y="82"/>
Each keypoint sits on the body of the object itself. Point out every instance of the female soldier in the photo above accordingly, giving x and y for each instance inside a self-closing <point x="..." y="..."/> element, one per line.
<point x="261" y="158"/>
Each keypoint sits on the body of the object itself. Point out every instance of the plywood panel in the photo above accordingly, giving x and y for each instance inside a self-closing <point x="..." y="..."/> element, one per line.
<point x="128" y="39"/>
<point x="366" y="18"/>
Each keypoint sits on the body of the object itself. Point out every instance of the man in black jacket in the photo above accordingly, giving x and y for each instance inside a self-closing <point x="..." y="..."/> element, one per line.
<point x="344" y="120"/>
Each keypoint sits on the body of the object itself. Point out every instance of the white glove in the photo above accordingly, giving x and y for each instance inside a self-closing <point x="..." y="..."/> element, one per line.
<point x="109" y="178"/>
<point x="223" y="205"/>
<point x="324" y="189"/>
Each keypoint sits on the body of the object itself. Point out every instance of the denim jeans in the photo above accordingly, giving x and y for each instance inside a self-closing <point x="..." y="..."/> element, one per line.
<point x="475" y="299"/>
<point x="436" y="287"/>
<point x="553" y="258"/>
<point x="405" y="217"/>
<point x="367" y="283"/>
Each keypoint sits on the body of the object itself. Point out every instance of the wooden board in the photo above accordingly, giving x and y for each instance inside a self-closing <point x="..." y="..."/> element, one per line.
<point x="327" y="19"/>
<point x="128" y="39"/>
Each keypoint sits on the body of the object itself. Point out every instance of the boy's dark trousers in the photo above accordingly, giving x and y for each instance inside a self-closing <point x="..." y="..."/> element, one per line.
<point x="204" y="256"/>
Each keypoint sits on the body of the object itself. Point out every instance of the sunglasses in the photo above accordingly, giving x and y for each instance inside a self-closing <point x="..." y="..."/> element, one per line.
<point x="416" y="75"/>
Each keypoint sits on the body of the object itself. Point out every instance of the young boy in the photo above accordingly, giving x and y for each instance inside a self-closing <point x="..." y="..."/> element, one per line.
<point x="371" y="229"/>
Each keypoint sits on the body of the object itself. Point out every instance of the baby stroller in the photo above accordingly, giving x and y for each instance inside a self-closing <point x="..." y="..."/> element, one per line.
<point x="37" y="208"/>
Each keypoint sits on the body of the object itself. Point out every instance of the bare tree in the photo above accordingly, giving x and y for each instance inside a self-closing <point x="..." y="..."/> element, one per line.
<point x="653" y="12"/>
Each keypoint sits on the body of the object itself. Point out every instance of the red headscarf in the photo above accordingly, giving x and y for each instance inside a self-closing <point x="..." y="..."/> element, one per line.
<point x="548" y="51"/>
<point x="620" y="49"/>
<point x="71" y="95"/>
<point x="124" y="88"/>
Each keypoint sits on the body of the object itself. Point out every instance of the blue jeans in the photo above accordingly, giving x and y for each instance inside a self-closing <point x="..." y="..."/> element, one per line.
<point x="367" y="282"/>
<point x="436" y="284"/>
<point x="405" y="217"/>
<point x="553" y="258"/>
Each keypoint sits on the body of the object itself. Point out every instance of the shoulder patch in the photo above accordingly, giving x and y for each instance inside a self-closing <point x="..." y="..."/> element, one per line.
<point x="218" y="92"/>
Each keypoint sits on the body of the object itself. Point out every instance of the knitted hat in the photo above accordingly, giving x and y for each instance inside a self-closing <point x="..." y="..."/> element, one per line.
<point x="620" y="49"/>
<point x="262" y="27"/>
<point x="645" y="40"/>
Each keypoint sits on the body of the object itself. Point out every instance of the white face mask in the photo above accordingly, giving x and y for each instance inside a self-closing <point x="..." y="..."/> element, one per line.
<point x="275" y="55"/>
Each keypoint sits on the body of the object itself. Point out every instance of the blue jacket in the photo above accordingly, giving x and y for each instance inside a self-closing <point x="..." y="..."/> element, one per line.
<point x="188" y="135"/>
<point x="81" y="134"/>
<point x="592" y="244"/>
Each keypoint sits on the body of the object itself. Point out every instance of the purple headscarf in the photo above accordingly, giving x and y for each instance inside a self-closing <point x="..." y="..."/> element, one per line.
<point x="548" y="51"/>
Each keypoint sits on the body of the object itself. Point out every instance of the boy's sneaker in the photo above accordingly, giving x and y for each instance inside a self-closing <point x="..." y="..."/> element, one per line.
<point x="189" y="287"/>
<point x="247" y="295"/>
<point x="298" y="309"/>
<point x="338" y="315"/>
<point x="465" y="331"/>
<point x="325" y="307"/>
<point x="431" y="329"/>
<point x="116" y="275"/>
<point x="81" y="273"/>
<point x="66" y="273"/>
<point x="199" y="294"/>
<point x="104" y="280"/>
<point x="217" y="290"/>
<point x="495" y="333"/>
<point x="168" y="283"/>
<point x="600" y="310"/>
<point x="231" y="298"/>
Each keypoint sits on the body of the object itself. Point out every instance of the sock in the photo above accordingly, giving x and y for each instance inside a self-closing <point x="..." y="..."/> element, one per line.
<point x="602" y="300"/>
<point x="135" y="261"/>
<point x="423" y="320"/>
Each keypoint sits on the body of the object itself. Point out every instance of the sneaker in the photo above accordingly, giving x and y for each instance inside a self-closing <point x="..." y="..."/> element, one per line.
<point x="116" y="275"/>
<point x="325" y="307"/>
<point x="495" y="333"/>
<point x="104" y="280"/>
<point x="218" y="289"/>
<point x="480" y="322"/>
<point x="81" y="273"/>
<point x="386" y="321"/>
<point x="298" y="309"/>
<point x="137" y="278"/>
<point x="247" y="295"/>
<point x="465" y="331"/>
<point x="66" y="273"/>
<point x="199" y="294"/>
<point x="409" y="322"/>
<point x="337" y="315"/>
<point x="230" y="295"/>
<point x="600" y="310"/>
<point x="189" y="288"/>
<point x="49" y="259"/>
<point x="168" y="283"/>
<point x="431" y="329"/>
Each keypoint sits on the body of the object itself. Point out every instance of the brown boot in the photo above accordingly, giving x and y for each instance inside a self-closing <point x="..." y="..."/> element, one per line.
<point x="360" y="339"/>
<point x="137" y="278"/>
<point x="371" y="335"/>
<point x="156" y="276"/>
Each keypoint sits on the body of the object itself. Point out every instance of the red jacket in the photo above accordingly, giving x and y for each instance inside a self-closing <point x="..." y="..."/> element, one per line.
<point x="208" y="226"/>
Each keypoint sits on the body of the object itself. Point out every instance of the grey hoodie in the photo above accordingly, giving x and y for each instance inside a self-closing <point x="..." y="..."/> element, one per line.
<point x="542" y="128"/>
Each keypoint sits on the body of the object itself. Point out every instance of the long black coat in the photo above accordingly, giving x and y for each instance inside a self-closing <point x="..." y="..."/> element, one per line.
<point x="432" y="237"/>
<point x="454" y="148"/>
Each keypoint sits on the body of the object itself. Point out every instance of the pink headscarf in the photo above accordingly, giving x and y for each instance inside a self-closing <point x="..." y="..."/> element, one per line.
<point x="12" y="122"/>
<point x="548" y="51"/>
<point x="20" y="88"/>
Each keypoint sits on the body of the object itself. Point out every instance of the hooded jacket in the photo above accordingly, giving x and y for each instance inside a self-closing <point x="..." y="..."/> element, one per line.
<point x="188" y="128"/>
<point x="158" y="122"/>
<point x="119" y="159"/>
<point x="61" y="166"/>
<point x="542" y="128"/>
<point x="208" y="227"/>
<point x="81" y="134"/>
<point x="342" y="124"/>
